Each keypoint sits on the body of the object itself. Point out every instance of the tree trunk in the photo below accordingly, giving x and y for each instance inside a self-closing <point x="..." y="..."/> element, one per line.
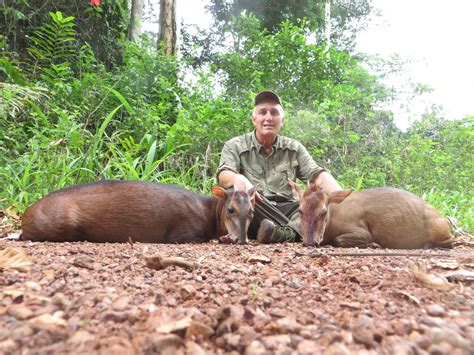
<point x="168" y="26"/>
<point x="134" y="29"/>
<point x="327" y="23"/>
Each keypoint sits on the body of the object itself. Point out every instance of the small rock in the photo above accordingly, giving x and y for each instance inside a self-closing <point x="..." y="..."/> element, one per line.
<point x="440" y="335"/>
<point x="60" y="300"/>
<point x="436" y="310"/>
<point x="198" y="330"/>
<point x="285" y="325"/>
<point x="164" y="343"/>
<point x="19" y="311"/>
<point x="403" y="349"/>
<point x="433" y="322"/>
<point x="225" y="327"/>
<point x="83" y="261"/>
<point x="187" y="291"/>
<point x="363" y="332"/>
<point x="232" y="340"/>
<point x="336" y="349"/>
<point x="74" y="323"/>
<point x="306" y="346"/>
<point x="8" y="346"/>
<point x="440" y="349"/>
<point x="248" y="334"/>
<point x="295" y="283"/>
<point x="121" y="303"/>
<point x="33" y="286"/>
<point x="278" y="313"/>
<point x="22" y="332"/>
<point x="113" y="316"/>
<point x="193" y="348"/>
<point x="401" y="326"/>
<point x="255" y="347"/>
<point x="81" y="337"/>
<point x="46" y="320"/>
<point x="273" y="342"/>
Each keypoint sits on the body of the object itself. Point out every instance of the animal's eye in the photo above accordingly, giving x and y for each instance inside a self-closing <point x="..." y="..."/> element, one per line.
<point x="230" y="210"/>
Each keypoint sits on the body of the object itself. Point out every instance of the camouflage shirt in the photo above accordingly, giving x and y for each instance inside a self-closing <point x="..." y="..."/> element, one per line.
<point x="289" y="160"/>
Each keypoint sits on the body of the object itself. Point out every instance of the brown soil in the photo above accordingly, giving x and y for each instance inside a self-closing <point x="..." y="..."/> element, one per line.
<point x="112" y="299"/>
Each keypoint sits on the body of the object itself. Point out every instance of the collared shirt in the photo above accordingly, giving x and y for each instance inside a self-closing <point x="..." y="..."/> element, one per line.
<point x="270" y="172"/>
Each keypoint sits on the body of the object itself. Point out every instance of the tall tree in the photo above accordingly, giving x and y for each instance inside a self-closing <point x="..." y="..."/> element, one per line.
<point x="134" y="29"/>
<point x="327" y="23"/>
<point x="345" y="16"/>
<point x="167" y="34"/>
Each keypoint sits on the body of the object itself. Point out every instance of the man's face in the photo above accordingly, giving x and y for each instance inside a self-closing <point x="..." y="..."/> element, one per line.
<point x="268" y="118"/>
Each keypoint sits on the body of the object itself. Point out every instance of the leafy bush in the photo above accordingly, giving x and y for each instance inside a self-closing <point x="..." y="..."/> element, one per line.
<point x="74" y="119"/>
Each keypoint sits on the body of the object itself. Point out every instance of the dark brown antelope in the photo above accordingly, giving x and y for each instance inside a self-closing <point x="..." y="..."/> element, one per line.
<point x="388" y="217"/>
<point x="114" y="211"/>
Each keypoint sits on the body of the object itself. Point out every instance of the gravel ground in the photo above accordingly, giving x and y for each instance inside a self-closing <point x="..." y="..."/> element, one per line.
<point x="230" y="299"/>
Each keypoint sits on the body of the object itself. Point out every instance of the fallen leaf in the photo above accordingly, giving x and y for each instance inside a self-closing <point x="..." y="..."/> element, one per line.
<point x="451" y="264"/>
<point x="46" y="320"/>
<point x="13" y="236"/>
<point x="175" y="326"/>
<point x="433" y="281"/>
<point x="14" y="259"/>
<point x="258" y="259"/>
<point x="406" y="296"/>
<point x="157" y="262"/>
<point x="460" y="275"/>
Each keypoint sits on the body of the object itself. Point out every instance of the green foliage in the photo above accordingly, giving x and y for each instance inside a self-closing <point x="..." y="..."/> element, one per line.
<point x="346" y="16"/>
<point x="53" y="43"/>
<point x="78" y="114"/>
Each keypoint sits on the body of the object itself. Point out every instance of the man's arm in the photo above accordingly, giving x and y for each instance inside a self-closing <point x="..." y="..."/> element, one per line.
<point x="329" y="183"/>
<point x="228" y="179"/>
<point x="308" y="169"/>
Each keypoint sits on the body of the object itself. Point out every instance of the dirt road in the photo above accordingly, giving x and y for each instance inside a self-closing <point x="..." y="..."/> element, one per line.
<point x="111" y="299"/>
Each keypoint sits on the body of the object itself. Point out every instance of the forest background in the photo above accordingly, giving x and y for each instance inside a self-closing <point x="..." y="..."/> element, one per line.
<point x="84" y="96"/>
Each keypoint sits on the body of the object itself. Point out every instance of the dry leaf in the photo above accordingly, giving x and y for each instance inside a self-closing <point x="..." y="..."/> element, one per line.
<point x="14" y="259"/>
<point x="11" y="213"/>
<point x="407" y="296"/>
<point x="46" y="320"/>
<point x="433" y="281"/>
<point x="158" y="262"/>
<point x="460" y="275"/>
<point x="451" y="264"/>
<point x="19" y="293"/>
<point x="258" y="259"/>
<point x="175" y="326"/>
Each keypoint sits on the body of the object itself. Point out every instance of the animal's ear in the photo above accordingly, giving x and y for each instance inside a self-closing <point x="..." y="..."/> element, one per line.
<point x="315" y="187"/>
<point x="252" y="193"/>
<point x="339" y="196"/>
<point x="296" y="189"/>
<point x="218" y="191"/>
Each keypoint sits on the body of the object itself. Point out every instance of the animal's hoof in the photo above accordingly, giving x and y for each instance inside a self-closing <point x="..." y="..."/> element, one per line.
<point x="226" y="239"/>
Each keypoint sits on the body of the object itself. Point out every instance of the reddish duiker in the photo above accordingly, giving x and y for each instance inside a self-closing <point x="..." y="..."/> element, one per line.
<point x="388" y="217"/>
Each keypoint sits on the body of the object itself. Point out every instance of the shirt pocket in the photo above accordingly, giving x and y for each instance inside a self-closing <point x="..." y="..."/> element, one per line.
<point x="283" y="172"/>
<point x="254" y="173"/>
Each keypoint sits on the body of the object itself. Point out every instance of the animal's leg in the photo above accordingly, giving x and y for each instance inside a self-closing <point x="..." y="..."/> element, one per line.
<point x="360" y="239"/>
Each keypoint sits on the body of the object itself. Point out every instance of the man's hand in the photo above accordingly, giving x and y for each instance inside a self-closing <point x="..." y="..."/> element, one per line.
<point x="239" y="182"/>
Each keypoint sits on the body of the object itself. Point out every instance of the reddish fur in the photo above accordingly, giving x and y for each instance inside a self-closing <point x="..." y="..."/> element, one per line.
<point x="113" y="211"/>
<point x="389" y="217"/>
